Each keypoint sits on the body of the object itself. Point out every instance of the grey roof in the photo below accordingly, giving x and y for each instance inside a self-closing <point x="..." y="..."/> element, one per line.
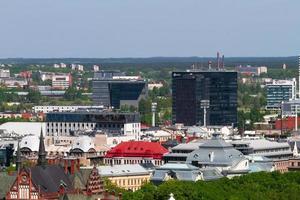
<point x="216" y="152"/>
<point x="48" y="178"/>
<point x="188" y="146"/>
<point x="183" y="172"/>
<point x="175" y="155"/>
<point x="6" y="182"/>
<point x="216" y="142"/>
<point x="211" y="174"/>
<point x="276" y="153"/>
<point x="266" y="144"/>
<point x="122" y="170"/>
<point x="259" y="167"/>
<point x="178" y="166"/>
<point x="196" y="130"/>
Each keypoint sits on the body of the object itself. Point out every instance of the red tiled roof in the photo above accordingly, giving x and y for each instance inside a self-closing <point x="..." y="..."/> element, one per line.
<point x="137" y="149"/>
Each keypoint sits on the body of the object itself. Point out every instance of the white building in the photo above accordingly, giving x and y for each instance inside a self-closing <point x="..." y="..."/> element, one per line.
<point x="65" y="123"/>
<point x="23" y="128"/>
<point x="96" y="68"/>
<point x="61" y="81"/>
<point x="4" y="73"/>
<point x="153" y="85"/>
<point x="56" y="66"/>
<point x="279" y="91"/>
<point x="46" y="76"/>
<point x="47" y="109"/>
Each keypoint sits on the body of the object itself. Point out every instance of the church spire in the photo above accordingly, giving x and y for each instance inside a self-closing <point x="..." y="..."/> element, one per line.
<point x="42" y="152"/>
<point x="295" y="150"/>
<point x="18" y="160"/>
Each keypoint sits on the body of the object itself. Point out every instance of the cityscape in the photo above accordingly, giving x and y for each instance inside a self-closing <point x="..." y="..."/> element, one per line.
<point x="120" y="121"/>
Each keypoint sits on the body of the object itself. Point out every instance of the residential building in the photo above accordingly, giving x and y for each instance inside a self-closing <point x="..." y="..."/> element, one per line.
<point x="136" y="152"/>
<point x="130" y="177"/>
<point x="14" y="82"/>
<point x="46" y="75"/>
<point x="96" y="68"/>
<point x="157" y="134"/>
<point x="111" y="123"/>
<point x="190" y="88"/>
<point x="113" y="90"/>
<point x="4" y="73"/>
<point x="61" y="81"/>
<point x="280" y="91"/>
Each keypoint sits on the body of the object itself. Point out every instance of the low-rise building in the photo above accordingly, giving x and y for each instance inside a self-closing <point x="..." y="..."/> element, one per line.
<point x="111" y="123"/>
<point x="216" y="153"/>
<point x="157" y="134"/>
<point x="136" y="152"/>
<point x="183" y="172"/>
<point x="4" y="73"/>
<point x="71" y="108"/>
<point x="14" y="82"/>
<point x="130" y="177"/>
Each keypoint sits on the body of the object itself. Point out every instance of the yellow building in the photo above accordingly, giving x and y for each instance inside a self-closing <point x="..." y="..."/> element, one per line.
<point x="130" y="177"/>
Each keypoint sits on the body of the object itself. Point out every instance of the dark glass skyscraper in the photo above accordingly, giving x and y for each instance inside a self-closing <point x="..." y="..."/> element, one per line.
<point x="108" y="91"/>
<point x="189" y="88"/>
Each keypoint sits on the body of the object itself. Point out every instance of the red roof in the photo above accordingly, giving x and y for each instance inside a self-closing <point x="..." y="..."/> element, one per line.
<point x="137" y="149"/>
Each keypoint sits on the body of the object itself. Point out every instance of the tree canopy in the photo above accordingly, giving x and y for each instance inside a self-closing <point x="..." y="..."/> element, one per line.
<point x="262" y="185"/>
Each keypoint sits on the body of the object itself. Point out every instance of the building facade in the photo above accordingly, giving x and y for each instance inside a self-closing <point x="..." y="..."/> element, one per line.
<point x="280" y="91"/>
<point x="4" y="73"/>
<point x="190" y="88"/>
<point x="130" y="177"/>
<point x="136" y="152"/>
<point x="47" y="109"/>
<point x="61" y="81"/>
<point x="115" y="92"/>
<point x="66" y="123"/>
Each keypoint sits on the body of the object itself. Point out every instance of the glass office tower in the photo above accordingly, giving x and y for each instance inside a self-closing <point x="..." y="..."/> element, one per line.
<point x="112" y="92"/>
<point x="190" y="88"/>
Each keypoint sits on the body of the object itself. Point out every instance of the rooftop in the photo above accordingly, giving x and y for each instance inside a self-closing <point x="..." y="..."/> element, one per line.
<point x="137" y="149"/>
<point x="122" y="170"/>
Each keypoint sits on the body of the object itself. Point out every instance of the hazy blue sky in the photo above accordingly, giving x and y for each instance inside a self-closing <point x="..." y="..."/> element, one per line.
<point x="145" y="28"/>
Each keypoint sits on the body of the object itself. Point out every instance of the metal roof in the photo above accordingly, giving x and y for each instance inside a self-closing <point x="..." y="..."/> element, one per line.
<point x="122" y="170"/>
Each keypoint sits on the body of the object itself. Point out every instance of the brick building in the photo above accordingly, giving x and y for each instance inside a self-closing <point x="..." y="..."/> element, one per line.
<point x="56" y="181"/>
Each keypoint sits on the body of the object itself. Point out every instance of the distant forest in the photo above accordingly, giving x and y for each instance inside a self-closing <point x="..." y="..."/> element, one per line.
<point x="176" y="62"/>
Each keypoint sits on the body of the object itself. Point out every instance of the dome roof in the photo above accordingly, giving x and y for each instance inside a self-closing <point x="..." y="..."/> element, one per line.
<point x="216" y="152"/>
<point x="84" y="143"/>
<point x="31" y="142"/>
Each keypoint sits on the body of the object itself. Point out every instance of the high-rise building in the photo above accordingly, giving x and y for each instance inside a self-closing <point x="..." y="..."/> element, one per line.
<point x="216" y="88"/>
<point x="114" y="89"/>
<point x="280" y="91"/>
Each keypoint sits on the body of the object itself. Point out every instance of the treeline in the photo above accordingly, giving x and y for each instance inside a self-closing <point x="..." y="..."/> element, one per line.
<point x="255" y="186"/>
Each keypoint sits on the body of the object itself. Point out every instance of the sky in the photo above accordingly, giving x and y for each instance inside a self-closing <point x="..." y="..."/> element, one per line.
<point x="148" y="28"/>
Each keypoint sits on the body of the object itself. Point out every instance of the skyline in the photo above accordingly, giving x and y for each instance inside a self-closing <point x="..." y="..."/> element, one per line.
<point x="142" y="29"/>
